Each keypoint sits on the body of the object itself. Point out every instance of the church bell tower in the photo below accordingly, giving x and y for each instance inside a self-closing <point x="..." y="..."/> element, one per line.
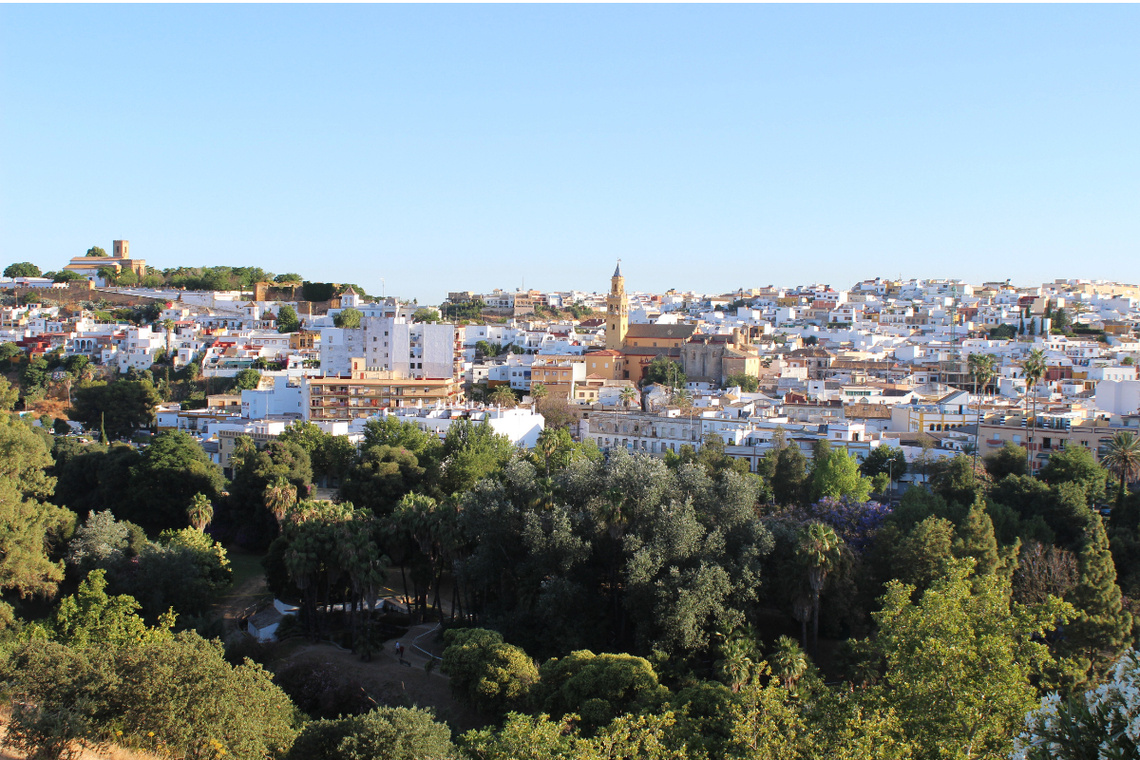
<point x="617" y="311"/>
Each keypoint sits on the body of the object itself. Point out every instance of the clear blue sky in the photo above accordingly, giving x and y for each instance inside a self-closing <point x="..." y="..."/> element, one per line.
<point x="468" y="147"/>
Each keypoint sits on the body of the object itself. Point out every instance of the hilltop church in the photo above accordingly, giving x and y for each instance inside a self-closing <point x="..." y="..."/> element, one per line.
<point x="630" y="349"/>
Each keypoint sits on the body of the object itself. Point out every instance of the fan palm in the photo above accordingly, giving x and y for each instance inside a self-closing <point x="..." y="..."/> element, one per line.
<point x="200" y="512"/>
<point x="627" y="396"/>
<point x="1034" y="369"/>
<point x="1122" y="458"/>
<point x="789" y="662"/>
<point x="982" y="367"/>
<point x="818" y="549"/>
<point x="279" y="496"/>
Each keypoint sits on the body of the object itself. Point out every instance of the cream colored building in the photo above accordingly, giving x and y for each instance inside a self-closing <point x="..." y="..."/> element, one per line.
<point x="120" y="259"/>
<point x="365" y="393"/>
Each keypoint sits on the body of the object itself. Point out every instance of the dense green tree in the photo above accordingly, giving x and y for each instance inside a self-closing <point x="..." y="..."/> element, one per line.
<point x="174" y="694"/>
<point x="956" y="480"/>
<point x="503" y="396"/>
<point x="789" y="479"/>
<point x="471" y="452"/>
<point x="170" y="472"/>
<point x="1067" y="513"/>
<point x="120" y="408"/>
<point x="1008" y="460"/>
<point x="425" y="314"/>
<point x="747" y="383"/>
<point x="959" y="662"/>
<point x="244" y="514"/>
<point x="1076" y="464"/>
<point x="392" y="733"/>
<point x="331" y="456"/>
<point x="388" y="430"/>
<point x="94" y="477"/>
<point x="22" y="269"/>
<point x="287" y="319"/>
<point x="976" y="539"/>
<point x="484" y="348"/>
<point x="183" y="570"/>
<point x="836" y="475"/>
<point x="31" y="530"/>
<point x="95" y="251"/>
<point x="487" y="672"/>
<point x="279" y="496"/>
<point x="716" y="460"/>
<point x="884" y="460"/>
<point x="246" y="380"/>
<point x="632" y="737"/>
<point x="1102" y="628"/>
<point x="664" y="371"/>
<point x="382" y="477"/>
<point x="349" y="318"/>
<point x="36" y="374"/>
<point x="925" y="553"/>
<point x="99" y="543"/>
<point x="599" y="687"/>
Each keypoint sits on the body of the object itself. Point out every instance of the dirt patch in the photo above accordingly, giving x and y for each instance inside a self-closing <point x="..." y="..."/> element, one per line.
<point x="110" y="753"/>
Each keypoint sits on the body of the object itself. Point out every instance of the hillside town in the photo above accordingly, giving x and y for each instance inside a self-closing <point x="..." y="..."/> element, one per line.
<point x="883" y="362"/>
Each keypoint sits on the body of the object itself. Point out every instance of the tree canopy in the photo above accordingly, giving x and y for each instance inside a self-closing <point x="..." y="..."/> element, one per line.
<point x="22" y="269"/>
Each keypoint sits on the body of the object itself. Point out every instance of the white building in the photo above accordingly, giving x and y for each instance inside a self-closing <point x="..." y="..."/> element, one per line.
<point x="418" y="350"/>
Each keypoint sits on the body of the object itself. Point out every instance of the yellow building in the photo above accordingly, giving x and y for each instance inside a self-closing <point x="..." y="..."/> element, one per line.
<point x="1049" y="434"/>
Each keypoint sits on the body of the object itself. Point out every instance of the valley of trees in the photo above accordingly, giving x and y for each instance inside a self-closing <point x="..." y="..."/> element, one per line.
<point x="592" y="605"/>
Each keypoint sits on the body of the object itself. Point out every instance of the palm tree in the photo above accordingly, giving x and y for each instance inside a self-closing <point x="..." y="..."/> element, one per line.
<point x="737" y="664"/>
<point x="818" y="550"/>
<point x="168" y="325"/>
<point x="982" y="367"/>
<point x="200" y="512"/>
<point x="538" y="392"/>
<point x="789" y="662"/>
<point x="504" y="396"/>
<point x="627" y="396"/>
<point x="1034" y="369"/>
<point x="279" y="496"/>
<point x="1122" y="458"/>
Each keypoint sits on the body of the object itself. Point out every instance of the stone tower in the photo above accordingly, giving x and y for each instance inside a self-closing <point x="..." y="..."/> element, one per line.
<point x="617" y="311"/>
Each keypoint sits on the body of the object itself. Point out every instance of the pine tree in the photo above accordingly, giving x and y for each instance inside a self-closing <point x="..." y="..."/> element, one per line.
<point x="1102" y="627"/>
<point x="976" y="539"/>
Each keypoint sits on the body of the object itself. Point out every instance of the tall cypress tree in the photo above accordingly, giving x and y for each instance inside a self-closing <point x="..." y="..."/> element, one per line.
<point x="976" y="539"/>
<point x="1102" y="627"/>
<point x="790" y="476"/>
